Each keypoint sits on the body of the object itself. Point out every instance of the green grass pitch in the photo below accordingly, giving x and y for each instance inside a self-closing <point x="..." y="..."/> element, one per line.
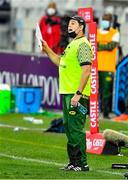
<point x="31" y="153"/>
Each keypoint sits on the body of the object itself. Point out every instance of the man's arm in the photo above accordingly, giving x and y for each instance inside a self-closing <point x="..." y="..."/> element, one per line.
<point x="86" y="72"/>
<point x="53" y="56"/>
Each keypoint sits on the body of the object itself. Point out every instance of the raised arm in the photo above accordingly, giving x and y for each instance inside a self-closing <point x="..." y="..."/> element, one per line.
<point x="53" y="56"/>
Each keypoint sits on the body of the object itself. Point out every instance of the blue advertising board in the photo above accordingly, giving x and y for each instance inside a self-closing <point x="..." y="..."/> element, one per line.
<point x="121" y="87"/>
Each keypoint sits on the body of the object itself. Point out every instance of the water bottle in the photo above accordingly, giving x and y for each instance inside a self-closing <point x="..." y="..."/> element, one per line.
<point x="81" y="108"/>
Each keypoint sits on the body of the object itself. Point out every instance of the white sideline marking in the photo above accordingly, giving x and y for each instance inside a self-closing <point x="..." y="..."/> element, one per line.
<point x="22" y="128"/>
<point x="50" y="163"/>
<point x="36" y="129"/>
<point x="30" y="159"/>
<point x="109" y="172"/>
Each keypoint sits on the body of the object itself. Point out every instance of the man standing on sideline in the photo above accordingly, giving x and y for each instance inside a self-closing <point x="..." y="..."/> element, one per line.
<point x="107" y="44"/>
<point x="74" y="84"/>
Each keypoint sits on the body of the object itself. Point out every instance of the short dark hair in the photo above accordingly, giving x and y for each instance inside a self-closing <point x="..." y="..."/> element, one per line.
<point x="80" y="20"/>
<point x="107" y="17"/>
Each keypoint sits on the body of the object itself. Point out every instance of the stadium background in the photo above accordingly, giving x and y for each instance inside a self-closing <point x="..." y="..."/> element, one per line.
<point x="24" y="16"/>
<point x="25" y="150"/>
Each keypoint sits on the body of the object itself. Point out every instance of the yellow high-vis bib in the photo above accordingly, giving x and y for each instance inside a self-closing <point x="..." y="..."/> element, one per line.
<point x="70" y="69"/>
<point x="106" y="59"/>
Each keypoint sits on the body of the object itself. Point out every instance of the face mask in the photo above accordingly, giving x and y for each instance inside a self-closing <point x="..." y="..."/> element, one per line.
<point x="105" y="24"/>
<point x="51" y="11"/>
<point x="72" y="34"/>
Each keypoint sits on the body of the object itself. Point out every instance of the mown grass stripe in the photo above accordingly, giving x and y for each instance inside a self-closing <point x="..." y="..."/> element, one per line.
<point x="51" y="163"/>
<point x="34" y="144"/>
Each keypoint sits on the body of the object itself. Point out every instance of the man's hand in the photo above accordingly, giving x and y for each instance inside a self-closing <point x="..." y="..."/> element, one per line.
<point x="44" y="47"/>
<point x="75" y="99"/>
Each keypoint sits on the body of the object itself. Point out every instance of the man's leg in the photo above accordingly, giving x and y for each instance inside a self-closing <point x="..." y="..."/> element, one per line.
<point x="66" y="103"/>
<point x="105" y="87"/>
<point x="77" y="139"/>
<point x="74" y="122"/>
